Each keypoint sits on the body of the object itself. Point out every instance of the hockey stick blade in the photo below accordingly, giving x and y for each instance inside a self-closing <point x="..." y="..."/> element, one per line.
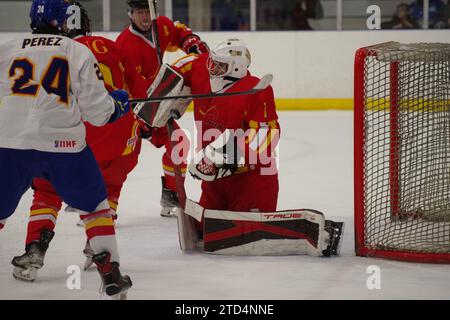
<point x="261" y="85"/>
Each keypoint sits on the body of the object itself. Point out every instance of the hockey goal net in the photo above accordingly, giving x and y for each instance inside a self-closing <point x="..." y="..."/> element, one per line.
<point x="402" y="151"/>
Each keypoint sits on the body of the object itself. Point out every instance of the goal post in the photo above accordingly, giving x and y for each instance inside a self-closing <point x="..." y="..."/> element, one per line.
<point x="402" y="151"/>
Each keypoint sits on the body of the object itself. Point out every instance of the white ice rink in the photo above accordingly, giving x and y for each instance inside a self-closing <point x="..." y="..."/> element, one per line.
<point x="316" y="171"/>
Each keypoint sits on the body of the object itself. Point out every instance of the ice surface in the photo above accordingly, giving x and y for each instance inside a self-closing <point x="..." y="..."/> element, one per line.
<point x="316" y="171"/>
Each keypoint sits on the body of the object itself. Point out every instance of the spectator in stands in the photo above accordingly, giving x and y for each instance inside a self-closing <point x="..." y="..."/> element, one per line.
<point x="444" y="22"/>
<point x="227" y="15"/>
<point x="401" y="19"/>
<point x="304" y="10"/>
<point x="435" y="11"/>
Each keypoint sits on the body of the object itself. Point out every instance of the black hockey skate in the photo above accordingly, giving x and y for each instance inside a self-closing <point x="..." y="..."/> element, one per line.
<point x="169" y="201"/>
<point x="335" y="230"/>
<point x="113" y="283"/>
<point x="26" y="265"/>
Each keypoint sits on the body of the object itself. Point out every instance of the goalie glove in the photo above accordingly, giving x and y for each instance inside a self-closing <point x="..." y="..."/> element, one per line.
<point x="217" y="160"/>
<point x="193" y="44"/>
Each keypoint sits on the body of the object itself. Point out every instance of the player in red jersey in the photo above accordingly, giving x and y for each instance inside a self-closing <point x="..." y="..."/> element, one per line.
<point x="116" y="147"/>
<point x="248" y="162"/>
<point x="236" y="159"/>
<point x="237" y="137"/>
<point x="140" y="50"/>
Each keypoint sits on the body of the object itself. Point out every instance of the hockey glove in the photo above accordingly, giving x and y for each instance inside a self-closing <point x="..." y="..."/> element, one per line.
<point x="217" y="160"/>
<point x="193" y="44"/>
<point x="121" y="104"/>
<point x="145" y="131"/>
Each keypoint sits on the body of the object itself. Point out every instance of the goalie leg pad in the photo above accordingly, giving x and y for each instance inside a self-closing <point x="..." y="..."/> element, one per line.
<point x="293" y="232"/>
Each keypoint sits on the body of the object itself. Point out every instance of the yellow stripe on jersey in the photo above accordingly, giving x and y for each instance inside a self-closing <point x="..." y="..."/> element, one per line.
<point x="186" y="68"/>
<point x="273" y="124"/>
<point x="133" y="139"/>
<point x="184" y="60"/>
<point x="253" y="124"/>
<point x="172" y="47"/>
<point x="265" y="143"/>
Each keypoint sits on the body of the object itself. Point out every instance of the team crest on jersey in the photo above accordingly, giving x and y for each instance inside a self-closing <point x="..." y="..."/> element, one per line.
<point x="132" y="141"/>
<point x="65" y="144"/>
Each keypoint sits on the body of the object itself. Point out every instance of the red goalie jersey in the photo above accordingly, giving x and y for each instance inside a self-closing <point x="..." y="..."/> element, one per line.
<point x="255" y="114"/>
<point x="121" y="137"/>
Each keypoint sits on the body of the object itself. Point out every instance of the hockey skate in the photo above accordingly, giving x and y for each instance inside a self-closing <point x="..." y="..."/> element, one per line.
<point x="113" y="283"/>
<point x="169" y="201"/>
<point x="336" y="231"/>
<point x="26" y="265"/>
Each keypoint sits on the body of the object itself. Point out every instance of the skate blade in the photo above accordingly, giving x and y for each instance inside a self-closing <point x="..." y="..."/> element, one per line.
<point x="27" y="275"/>
<point x="88" y="264"/>
<point x="168" y="212"/>
<point x="341" y="238"/>
<point x="120" y="296"/>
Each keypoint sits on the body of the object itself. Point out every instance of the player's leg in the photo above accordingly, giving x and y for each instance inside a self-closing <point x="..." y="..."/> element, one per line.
<point x="213" y="197"/>
<point x="115" y="174"/>
<point x="239" y="193"/>
<point x="252" y="191"/>
<point x="43" y="215"/>
<point x="169" y="196"/>
<point x="15" y="180"/>
<point x="44" y="209"/>
<point x="77" y="178"/>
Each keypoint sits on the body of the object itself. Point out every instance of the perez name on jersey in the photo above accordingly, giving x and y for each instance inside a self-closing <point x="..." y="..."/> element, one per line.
<point x="42" y="41"/>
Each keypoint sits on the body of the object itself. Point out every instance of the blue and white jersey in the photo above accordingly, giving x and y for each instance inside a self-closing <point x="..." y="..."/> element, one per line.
<point x="48" y="84"/>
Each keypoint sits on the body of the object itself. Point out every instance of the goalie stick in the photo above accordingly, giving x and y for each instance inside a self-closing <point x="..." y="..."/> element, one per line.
<point x="261" y="85"/>
<point x="187" y="235"/>
<point x="153" y="16"/>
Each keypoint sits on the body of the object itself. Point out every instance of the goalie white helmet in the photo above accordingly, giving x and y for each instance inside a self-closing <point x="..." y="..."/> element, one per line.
<point x="228" y="62"/>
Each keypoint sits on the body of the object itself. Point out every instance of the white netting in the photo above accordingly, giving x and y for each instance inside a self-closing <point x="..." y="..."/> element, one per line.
<point x="407" y="147"/>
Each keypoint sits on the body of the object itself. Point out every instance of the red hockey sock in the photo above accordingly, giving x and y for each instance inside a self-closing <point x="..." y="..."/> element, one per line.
<point x="40" y="218"/>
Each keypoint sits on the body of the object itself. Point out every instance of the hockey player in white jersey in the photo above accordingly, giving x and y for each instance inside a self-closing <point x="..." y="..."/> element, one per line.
<point x="48" y="84"/>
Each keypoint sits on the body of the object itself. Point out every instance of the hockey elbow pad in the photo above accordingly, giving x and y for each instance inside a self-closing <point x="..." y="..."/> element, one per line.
<point x="121" y="104"/>
<point x="193" y="44"/>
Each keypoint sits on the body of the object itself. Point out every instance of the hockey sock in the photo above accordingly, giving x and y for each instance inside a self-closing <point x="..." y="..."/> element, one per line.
<point x="100" y="231"/>
<point x="113" y="203"/>
<point x="169" y="172"/>
<point x="40" y="218"/>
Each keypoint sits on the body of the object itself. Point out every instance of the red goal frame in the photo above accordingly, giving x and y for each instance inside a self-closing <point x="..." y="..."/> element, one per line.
<point x="361" y="248"/>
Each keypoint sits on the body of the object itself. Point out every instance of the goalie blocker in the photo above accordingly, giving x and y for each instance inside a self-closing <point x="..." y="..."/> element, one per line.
<point x="292" y="232"/>
<point x="168" y="83"/>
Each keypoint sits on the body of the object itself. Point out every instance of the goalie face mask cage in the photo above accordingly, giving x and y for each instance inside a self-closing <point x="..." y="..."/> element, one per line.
<point x="402" y="151"/>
